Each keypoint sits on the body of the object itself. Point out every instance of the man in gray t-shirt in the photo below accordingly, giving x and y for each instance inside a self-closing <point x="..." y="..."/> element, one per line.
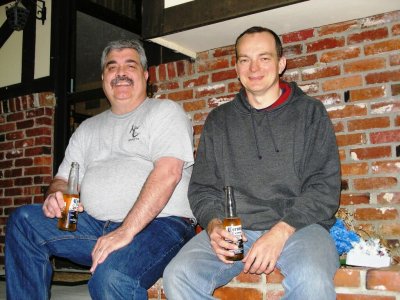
<point x="135" y="164"/>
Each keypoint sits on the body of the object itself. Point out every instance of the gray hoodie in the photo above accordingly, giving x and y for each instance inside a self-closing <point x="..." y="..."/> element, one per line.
<point x="283" y="164"/>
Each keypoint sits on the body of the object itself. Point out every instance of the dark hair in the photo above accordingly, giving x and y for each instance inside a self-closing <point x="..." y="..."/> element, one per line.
<point x="258" y="29"/>
<point x="123" y="44"/>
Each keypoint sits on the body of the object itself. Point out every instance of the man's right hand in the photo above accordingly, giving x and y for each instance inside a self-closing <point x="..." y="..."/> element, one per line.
<point x="219" y="238"/>
<point x="53" y="205"/>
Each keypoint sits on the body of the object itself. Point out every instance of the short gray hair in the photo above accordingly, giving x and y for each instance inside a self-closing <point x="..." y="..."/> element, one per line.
<point x="124" y="44"/>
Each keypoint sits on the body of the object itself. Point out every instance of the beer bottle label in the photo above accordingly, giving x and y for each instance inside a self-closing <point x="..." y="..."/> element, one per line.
<point x="73" y="210"/>
<point x="237" y="232"/>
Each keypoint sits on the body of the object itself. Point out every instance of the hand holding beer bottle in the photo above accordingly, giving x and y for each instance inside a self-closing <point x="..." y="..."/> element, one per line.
<point x="69" y="215"/>
<point x="233" y="224"/>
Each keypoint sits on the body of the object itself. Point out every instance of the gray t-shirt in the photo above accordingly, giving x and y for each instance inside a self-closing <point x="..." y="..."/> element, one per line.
<point x="116" y="153"/>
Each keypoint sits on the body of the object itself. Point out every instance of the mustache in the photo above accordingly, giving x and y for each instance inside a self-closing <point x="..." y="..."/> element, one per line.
<point x="119" y="79"/>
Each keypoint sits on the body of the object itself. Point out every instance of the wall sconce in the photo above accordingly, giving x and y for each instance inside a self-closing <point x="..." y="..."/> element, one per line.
<point x="17" y="14"/>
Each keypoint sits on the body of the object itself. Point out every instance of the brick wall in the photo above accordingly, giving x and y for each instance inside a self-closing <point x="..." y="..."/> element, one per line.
<point x="26" y="164"/>
<point x="354" y="69"/>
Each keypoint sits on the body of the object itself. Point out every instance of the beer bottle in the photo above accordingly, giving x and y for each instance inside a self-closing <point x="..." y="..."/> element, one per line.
<point x="69" y="215"/>
<point x="233" y="224"/>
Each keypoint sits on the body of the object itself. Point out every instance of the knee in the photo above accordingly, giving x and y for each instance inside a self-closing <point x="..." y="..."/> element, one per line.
<point x="112" y="284"/>
<point x="174" y="273"/>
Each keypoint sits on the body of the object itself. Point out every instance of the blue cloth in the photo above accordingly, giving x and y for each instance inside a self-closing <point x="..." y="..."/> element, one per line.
<point x="343" y="237"/>
<point x="31" y="239"/>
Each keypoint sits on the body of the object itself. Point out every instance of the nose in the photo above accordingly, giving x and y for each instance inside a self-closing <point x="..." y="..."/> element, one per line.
<point x="253" y="65"/>
<point x="121" y="70"/>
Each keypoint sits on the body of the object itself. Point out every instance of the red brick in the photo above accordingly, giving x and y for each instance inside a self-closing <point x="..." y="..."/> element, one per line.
<point x="364" y="65"/>
<point x="370" y="153"/>
<point x="394" y="60"/>
<point x="15" y="117"/>
<point x="395" y="89"/>
<point x="37" y="170"/>
<point x="22" y="181"/>
<point x="329" y="99"/>
<point x="43" y="160"/>
<point x="197" y="129"/>
<point x="14" y="154"/>
<point x="213" y="65"/>
<point x="380" y="167"/>
<point x="347" y="278"/>
<point x="354" y="199"/>
<point x="6" y="146"/>
<point x="181" y="95"/>
<point x="386" y="46"/>
<point x="316" y="73"/>
<point x="234" y="87"/>
<point x="44" y="121"/>
<point x="385" y="107"/>
<point x="339" y="55"/>
<point x="24" y="143"/>
<point x="385" y="136"/>
<point x="390" y="229"/>
<point x="43" y="140"/>
<point x="275" y="277"/>
<point x="389" y="198"/>
<point x="194" y="105"/>
<point x="171" y="70"/>
<point x="6" y="183"/>
<point x="350" y="139"/>
<point x="39" y="131"/>
<point x="292" y="75"/>
<point x="375" y="214"/>
<point x="363" y="124"/>
<point x="374" y="183"/>
<point x="347" y="111"/>
<point x="200" y="117"/>
<point x="162" y="72"/>
<point x="310" y="88"/>
<point x="210" y="90"/>
<point x="396" y="29"/>
<point x="328" y="43"/>
<point x="371" y="93"/>
<point x="22" y="162"/>
<point x="217" y="101"/>
<point x="201" y="80"/>
<point x="236" y="293"/>
<point x="387" y="279"/>
<point x="298" y="62"/>
<point x="12" y="191"/>
<point x="224" y="51"/>
<point x="15" y="135"/>
<point x="152" y="74"/>
<point x="18" y="201"/>
<point x="249" y="278"/>
<point x="298" y="36"/>
<point x="15" y="172"/>
<point x="337" y="28"/>
<point x="223" y="75"/>
<point x="292" y="50"/>
<point x="382" y="77"/>
<point x="37" y="151"/>
<point x="368" y="35"/>
<point x="7" y="127"/>
<point x="342" y="83"/>
<point x="167" y="86"/>
<point x="354" y="169"/>
<point x="338" y="127"/>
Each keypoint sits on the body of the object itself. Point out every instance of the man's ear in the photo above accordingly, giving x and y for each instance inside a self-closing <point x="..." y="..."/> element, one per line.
<point x="282" y="64"/>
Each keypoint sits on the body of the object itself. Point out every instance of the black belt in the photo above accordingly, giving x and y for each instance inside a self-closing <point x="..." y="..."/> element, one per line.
<point x="189" y="221"/>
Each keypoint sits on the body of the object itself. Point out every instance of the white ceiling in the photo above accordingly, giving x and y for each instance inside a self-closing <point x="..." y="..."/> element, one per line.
<point x="304" y="15"/>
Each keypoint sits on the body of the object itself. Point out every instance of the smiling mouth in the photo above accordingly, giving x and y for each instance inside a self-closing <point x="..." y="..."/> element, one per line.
<point x="121" y="81"/>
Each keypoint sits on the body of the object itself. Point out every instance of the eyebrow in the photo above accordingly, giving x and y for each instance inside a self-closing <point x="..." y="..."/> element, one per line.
<point x="128" y="61"/>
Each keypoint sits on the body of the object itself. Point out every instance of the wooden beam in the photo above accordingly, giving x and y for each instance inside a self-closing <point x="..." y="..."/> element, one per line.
<point x="157" y="21"/>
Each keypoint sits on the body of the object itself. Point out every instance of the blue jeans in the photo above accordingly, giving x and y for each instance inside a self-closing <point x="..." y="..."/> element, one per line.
<point x="32" y="238"/>
<point x="308" y="261"/>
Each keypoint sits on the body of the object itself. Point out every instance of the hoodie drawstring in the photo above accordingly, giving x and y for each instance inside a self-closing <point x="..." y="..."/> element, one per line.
<point x="253" y="123"/>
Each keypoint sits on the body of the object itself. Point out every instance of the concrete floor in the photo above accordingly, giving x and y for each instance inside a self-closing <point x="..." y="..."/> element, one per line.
<point x="58" y="292"/>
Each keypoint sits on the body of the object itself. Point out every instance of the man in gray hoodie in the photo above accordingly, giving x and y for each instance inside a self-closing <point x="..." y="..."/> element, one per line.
<point x="276" y="146"/>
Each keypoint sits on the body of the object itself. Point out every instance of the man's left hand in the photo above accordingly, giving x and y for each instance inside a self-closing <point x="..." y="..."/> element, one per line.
<point x="264" y="253"/>
<point x="109" y="243"/>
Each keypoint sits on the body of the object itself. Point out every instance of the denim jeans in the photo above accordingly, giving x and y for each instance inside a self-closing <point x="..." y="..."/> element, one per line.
<point x="308" y="261"/>
<point x="31" y="239"/>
